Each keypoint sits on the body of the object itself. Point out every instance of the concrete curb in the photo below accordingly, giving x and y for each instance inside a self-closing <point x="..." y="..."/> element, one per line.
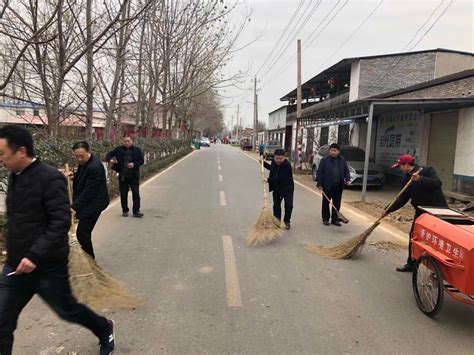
<point x="396" y="236"/>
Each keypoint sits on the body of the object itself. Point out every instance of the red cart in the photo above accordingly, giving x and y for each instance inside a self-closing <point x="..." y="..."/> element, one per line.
<point x="443" y="246"/>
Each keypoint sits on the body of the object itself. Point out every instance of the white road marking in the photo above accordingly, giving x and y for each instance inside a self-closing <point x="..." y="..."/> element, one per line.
<point x="231" y="276"/>
<point x="221" y="178"/>
<point x="223" y="198"/>
<point x="153" y="178"/>
<point x="219" y="168"/>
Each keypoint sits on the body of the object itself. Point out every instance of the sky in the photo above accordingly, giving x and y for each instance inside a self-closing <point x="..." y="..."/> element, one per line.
<point x="390" y="28"/>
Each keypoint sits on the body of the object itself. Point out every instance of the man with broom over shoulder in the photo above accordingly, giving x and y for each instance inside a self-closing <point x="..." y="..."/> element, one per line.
<point x="424" y="190"/>
<point x="281" y="183"/>
<point x="38" y="221"/>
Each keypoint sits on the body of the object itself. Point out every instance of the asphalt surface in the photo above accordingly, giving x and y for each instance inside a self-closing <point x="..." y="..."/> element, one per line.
<point x="282" y="299"/>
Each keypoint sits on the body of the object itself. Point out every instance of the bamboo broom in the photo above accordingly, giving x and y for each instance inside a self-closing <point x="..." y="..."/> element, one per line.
<point x="349" y="248"/>
<point x="90" y="284"/>
<point x="340" y="216"/>
<point x="267" y="227"/>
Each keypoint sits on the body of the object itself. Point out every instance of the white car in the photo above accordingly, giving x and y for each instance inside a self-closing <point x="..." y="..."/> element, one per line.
<point x="355" y="160"/>
<point x="205" y="142"/>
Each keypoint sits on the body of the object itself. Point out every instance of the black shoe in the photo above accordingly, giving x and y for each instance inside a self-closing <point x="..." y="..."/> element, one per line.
<point x="107" y="342"/>
<point x="138" y="215"/>
<point x="326" y="223"/>
<point x="336" y="223"/>
<point x="125" y="214"/>
<point x="287" y="225"/>
<point x="405" y="268"/>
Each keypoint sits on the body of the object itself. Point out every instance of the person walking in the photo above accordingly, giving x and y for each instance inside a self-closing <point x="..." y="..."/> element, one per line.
<point x="90" y="195"/>
<point x="261" y="149"/>
<point x="126" y="160"/>
<point x="425" y="190"/>
<point x="332" y="175"/>
<point x="282" y="185"/>
<point x="38" y="221"/>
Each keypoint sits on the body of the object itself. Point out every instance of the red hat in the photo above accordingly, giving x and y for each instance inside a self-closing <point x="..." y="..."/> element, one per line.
<point x="404" y="159"/>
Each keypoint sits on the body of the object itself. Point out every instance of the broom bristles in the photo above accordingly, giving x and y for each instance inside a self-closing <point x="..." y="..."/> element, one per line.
<point x="342" y="218"/>
<point x="94" y="287"/>
<point x="345" y="250"/>
<point x="265" y="230"/>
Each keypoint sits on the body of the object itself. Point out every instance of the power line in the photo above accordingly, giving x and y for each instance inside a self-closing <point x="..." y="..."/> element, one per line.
<point x="354" y="32"/>
<point x="289" y="40"/>
<point x="277" y="43"/>
<point x="315" y="34"/>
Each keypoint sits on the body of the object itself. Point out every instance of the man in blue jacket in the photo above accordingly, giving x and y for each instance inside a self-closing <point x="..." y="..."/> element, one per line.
<point x="333" y="174"/>
<point x="126" y="160"/>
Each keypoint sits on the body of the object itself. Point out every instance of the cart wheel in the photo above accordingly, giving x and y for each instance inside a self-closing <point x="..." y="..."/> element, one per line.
<point x="428" y="285"/>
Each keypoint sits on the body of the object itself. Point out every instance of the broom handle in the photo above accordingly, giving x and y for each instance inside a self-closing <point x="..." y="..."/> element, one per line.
<point x="69" y="191"/>
<point x="402" y="190"/>
<point x="265" y="196"/>
<point x="330" y="202"/>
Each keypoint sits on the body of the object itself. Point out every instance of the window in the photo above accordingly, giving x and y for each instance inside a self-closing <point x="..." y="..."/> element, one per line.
<point x="343" y="135"/>
<point x="324" y="137"/>
<point x="36" y="112"/>
<point x="20" y="111"/>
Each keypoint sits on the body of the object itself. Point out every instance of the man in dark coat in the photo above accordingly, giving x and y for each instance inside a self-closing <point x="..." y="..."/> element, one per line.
<point x="38" y="221"/>
<point x="90" y="196"/>
<point x="332" y="175"/>
<point x="281" y="183"/>
<point x="126" y="160"/>
<point x="425" y="190"/>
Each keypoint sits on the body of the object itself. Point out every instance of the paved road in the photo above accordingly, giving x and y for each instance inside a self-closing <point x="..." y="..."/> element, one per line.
<point x="288" y="301"/>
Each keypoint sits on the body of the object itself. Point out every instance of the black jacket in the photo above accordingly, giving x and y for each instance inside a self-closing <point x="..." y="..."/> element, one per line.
<point x="90" y="195"/>
<point x="324" y="174"/>
<point x="38" y="216"/>
<point x="281" y="177"/>
<point x="425" y="192"/>
<point x="119" y="154"/>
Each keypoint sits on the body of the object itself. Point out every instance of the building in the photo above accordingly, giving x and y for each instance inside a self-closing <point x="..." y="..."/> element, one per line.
<point x="404" y="97"/>
<point x="277" y="124"/>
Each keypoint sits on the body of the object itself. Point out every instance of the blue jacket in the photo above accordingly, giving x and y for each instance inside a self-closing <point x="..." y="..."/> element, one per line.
<point x="324" y="175"/>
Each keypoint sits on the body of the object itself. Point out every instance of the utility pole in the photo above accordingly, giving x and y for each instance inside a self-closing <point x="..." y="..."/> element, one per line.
<point x="231" y="125"/>
<point x="254" y="140"/>
<point x="298" y="107"/>
<point x="238" y="124"/>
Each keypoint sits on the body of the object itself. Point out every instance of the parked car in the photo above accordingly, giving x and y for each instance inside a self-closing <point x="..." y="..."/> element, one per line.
<point x="246" y="144"/>
<point x="234" y="141"/>
<point x="270" y="148"/>
<point x="355" y="157"/>
<point x="205" y="142"/>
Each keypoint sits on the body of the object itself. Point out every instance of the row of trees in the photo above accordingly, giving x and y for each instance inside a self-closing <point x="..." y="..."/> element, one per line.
<point x="158" y="61"/>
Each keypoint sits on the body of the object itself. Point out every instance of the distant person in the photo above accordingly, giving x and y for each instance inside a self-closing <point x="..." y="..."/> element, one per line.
<point x="425" y="190"/>
<point x="261" y="149"/>
<point x="282" y="185"/>
<point x="332" y="175"/>
<point x="126" y="160"/>
<point x="38" y="221"/>
<point x="90" y="196"/>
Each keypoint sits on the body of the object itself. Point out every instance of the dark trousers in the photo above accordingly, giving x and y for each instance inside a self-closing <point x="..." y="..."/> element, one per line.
<point x="336" y="196"/>
<point x="410" y="260"/>
<point x="124" y="184"/>
<point x="84" y="233"/>
<point x="277" y="198"/>
<point x="53" y="287"/>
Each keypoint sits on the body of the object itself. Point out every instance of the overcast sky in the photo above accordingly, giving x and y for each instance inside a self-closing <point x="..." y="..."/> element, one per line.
<point x="388" y="30"/>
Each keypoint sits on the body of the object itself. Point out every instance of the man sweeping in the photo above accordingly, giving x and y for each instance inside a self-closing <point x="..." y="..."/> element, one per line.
<point x="282" y="185"/>
<point x="332" y="175"/>
<point x="126" y="160"/>
<point x="90" y="196"/>
<point x="425" y="190"/>
<point x="38" y="221"/>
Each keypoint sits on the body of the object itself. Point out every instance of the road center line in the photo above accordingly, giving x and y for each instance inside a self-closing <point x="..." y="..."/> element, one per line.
<point x="220" y="178"/>
<point x="223" y="198"/>
<point x="219" y="168"/>
<point x="231" y="276"/>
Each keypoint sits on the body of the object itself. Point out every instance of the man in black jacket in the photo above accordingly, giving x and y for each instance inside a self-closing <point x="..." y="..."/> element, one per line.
<point x="281" y="183"/>
<point x="126" y="160"/>
<point x="38" y="220"/>
<point x="332" y="175"/>
<point x="90" y="196"/>
<point x="425" y="190"/>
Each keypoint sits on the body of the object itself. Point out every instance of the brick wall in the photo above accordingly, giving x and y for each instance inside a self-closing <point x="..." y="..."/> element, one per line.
<point x="405" y="71"/>
<point x="458" y="88"/>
